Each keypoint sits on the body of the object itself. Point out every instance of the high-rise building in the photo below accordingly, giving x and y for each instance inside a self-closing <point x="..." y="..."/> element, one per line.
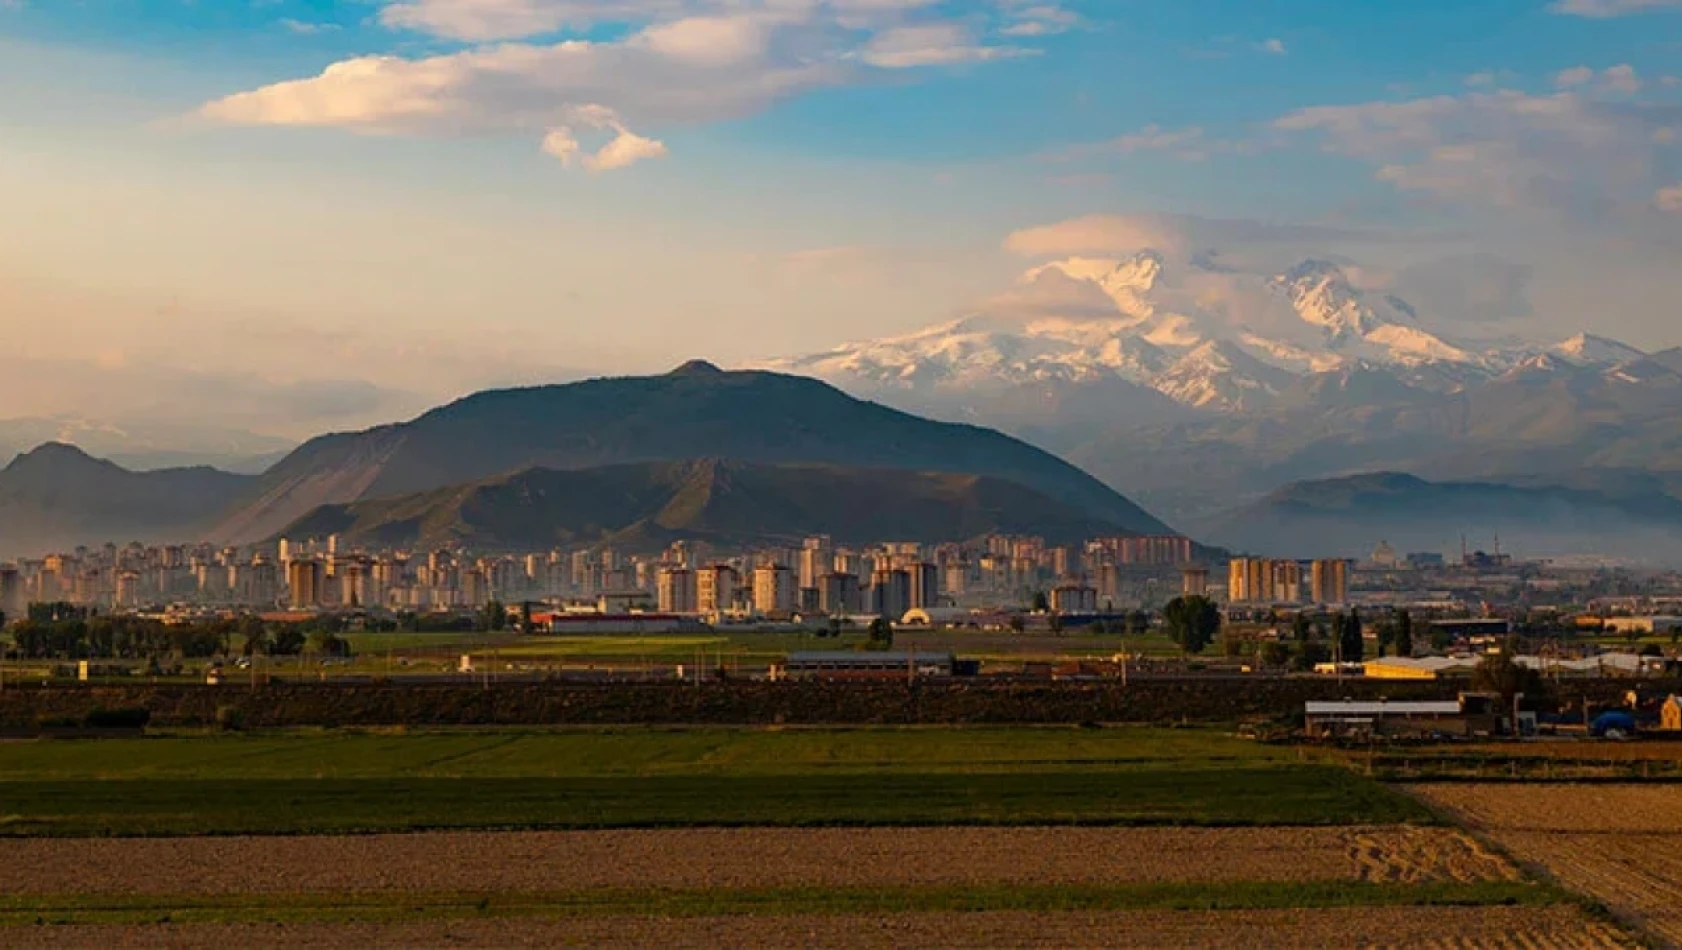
<point x="1330" y="581"/>
<point x="1194" y="582"/>
<point x="890" y="593"/>
<point x="817" y="558"/>
<point x="1250" y="581"/>
<point x="1287" y="582"/>
<point x="675" y="591"/>
<point x="11" y="593"/>
<point x="1109" y="582"/>
<point x="475" y="589"/>
<point x="1074" y="599"/>
<point x="774" y="591"/>
<point x="838" y="594"/>
<point x="715" y="588"/>
<point x="925" y="585"/>
<point x="304" y="580"/>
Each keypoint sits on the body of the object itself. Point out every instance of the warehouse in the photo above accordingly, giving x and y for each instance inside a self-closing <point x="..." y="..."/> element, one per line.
<point x="865" y="665"/>
<point x="1471" y="714"/>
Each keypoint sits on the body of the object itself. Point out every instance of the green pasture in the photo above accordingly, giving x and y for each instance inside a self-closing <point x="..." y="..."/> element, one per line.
<point x="393" y="908"/>
<point x="366" y="782"/>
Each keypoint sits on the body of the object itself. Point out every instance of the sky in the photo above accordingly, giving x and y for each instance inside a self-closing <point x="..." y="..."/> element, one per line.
<point x="296" y="215"/>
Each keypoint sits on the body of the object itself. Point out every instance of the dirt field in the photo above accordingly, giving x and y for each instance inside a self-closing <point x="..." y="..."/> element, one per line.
<point x="1621" y="844"/>
<point x="1497" y="928"/>
<point x="739" y="858"/>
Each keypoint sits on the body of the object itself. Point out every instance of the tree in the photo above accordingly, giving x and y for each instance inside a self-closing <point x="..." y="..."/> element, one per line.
<point x="256" y="635"/>
<point x="1138" y="623"/>
<point x="493" y="617"/>
<point x="1311" y="654"/>
<point x="881" y="634"/>
<point x="1386" y="636"/>
<point x="1055" y="622"/>
<point x="1500" y="673"/>
<point x="1017" y="624"/>
<point x="287" y="641"/>
<point x="1192" y="622"/>
<point x="1404" y="634"/>
<point x="1301" y="627"/>
<point x="1276" y="653"/>
<point x="1041" y="604"/>
<point x="1352" y="646"/>
<point x="327" y="643"/>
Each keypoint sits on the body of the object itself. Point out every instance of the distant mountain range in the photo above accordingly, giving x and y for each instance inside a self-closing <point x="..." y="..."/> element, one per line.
<point x="1348" y="517"/>
<point x="1193" y="385"/>
<point x="147" y="446"/>
<point x="57" y="496"/>
<point x="648" y="505"/>
<point x="697" y="411"/>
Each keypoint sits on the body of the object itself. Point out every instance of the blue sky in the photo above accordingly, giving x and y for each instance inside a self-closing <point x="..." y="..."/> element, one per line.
<point x="410" y="198"/>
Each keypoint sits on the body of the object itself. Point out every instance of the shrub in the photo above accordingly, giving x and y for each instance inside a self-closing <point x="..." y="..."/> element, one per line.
<point x="129" y="718"/>
<point x="230" y="718"/>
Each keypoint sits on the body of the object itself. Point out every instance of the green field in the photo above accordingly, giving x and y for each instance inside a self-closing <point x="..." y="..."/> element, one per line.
<point x="347" y="908"/>
<point x="361" y="782"/>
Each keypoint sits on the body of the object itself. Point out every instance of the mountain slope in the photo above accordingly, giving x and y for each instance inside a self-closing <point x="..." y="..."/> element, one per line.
<point x="697" y="411"/>
<point x="648" y="505"/>
<point x="57" y="496"/>
<point x="1348" y="516"/>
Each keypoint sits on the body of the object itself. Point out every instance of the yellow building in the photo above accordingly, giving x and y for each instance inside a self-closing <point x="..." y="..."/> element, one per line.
<point x="1330" y="581"/>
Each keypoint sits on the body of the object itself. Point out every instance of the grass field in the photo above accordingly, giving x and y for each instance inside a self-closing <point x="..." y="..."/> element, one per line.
<point x="189" y="909"/>
<point x="361" y="782"/>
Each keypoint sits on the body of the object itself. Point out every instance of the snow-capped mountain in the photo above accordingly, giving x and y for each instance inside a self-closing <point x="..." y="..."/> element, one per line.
<point x="1591" y="350"/>
<point x="1211" y="339"/>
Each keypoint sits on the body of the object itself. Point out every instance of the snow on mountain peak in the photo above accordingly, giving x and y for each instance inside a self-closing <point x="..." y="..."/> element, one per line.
<point x="1322" y="295"/>
<point x="1596" y="350"/>
<point x="1137" y="274"/>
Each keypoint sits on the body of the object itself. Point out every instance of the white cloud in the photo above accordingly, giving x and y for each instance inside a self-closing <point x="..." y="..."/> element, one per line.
<point x="1669" y="198"/>
<point x="303" y="28"/>
<point x="1041" y="19"/>
<point x="1273" y="45"/>
<point x="1575" y="76"/>
<point x="931" y="44"/>
<point x="623" y="149"/>
<point x="1575" y="152"/>
<point x="1606" y="9"/>
<point x="1178" y="234"/>
<point x="1188" y="143"/>
<point x="478" y="21"/>
<point x="674" y="61"/>
<point x="708" y="41"/>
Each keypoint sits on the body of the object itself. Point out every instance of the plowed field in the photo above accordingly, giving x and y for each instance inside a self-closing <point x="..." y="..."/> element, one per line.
<point x="1621" y="844"/>
<point x="740" y="858"/>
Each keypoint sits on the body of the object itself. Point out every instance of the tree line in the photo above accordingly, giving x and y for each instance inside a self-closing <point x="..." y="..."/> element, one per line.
<point x="65" y="632"/>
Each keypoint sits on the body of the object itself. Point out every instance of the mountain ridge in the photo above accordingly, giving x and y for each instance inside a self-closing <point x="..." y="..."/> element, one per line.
<point x="646" y="506"/>
<point x="58" y="496"/>
<point x="695" y="411"/>
<point x="1348" y="515"/>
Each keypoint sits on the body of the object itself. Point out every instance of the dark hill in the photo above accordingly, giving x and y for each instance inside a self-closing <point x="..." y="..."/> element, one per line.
<point x="697" y="411"/>
<point x="57" y="496"/>
<point x="647" y="505"/>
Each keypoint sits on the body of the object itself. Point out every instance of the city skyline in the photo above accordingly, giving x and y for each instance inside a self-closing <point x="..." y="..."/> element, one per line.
<point x="220" y="219"/>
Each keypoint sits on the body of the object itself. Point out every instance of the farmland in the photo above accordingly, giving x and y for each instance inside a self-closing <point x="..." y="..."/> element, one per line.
<point x="845" y="836"/>
<point x="1621" y="844"/>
